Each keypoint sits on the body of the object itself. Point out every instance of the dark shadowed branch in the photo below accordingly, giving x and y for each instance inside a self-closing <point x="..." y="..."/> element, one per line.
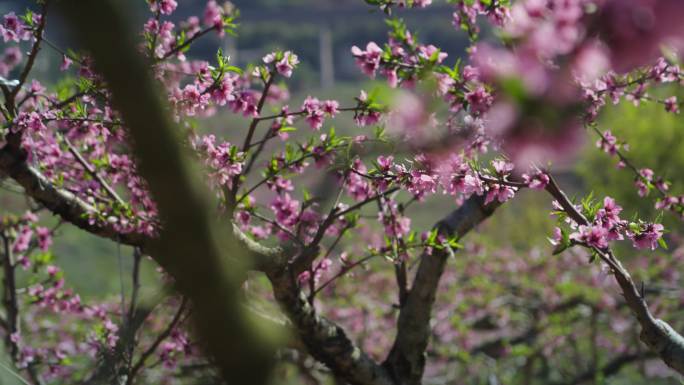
<point x="406" y="360"/>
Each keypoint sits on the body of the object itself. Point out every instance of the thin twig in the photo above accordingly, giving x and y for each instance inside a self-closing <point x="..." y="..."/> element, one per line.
<point x="160" y="338"/>
<point x="110" y="191"/>
<point x="38" y="34"/>
<point x="187" y="43"/>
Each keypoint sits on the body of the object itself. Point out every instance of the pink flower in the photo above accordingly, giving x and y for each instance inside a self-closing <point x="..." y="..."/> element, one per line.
<point x="593" y="236"/>
<point x="368" y="60"/>
<point x="23" y="240"/>
<point x="499" y="192"/>
<point x="502" y="167"/>
<point x="315" y="120"/>
<point x="330" y="107"/>
<point x="44" y="238"/>
<point x="648" y="236"/>
<point x="557" y="236"/>
<point x="165" y="7"/>
<point x="666" y="203"/>
<point x="647" y="174"/>
<point x="537" y="181"/>
<point x="12" y="56"/>
<point x="52" y="270"/>
<point x="315" y="111"/>
<point x="303" y="277"/>
<point x="223" y="92"/>
<point x="472" y="184"/>
<point x="287" y="64"/>
<point x="398" y="228"/>
<point x="357" y="186"/>
<point x="609" y="214"/>
<point x="318" y="270"/>
<point x="608" y="143"/>
<point x="422" y="183"/>
<point x="367" y="118"/>
<point x="311" y="104"/>
<point x="642" y="188"/>
<point x="385" y="162"/>
<point x="470" y="73"/>
<point x="111" y="333"/>
<point x="421" y="3"/>
<point x="410" y="118"/>
<point x="29" y="216"/>
<point x="213" y="16"/>
<point x="31" y="122"/>
<point x="280" y="184"/>
<point x="13" y="29"/>
<point x="426" y="52"/>
<point x="193" y="100"/>
<point x="671" y="105"/>
<point x="286" y="209"/>
<point x="66" y="62"/>
<point x="392" y="78"/>
<point x="396" y="225"/>
<point x="243" y="217"/>
<point x="662" y="185"/>
<point x="479" y="100"/>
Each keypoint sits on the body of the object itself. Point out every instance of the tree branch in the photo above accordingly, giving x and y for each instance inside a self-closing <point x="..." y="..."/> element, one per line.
<point x="406" y="360"/>
<point x="59" y="201"/>
<point x="325" y="340"/>
<point x="657" y="334"/>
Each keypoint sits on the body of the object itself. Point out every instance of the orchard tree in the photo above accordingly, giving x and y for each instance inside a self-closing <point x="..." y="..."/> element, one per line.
<point x="116" y="148"/>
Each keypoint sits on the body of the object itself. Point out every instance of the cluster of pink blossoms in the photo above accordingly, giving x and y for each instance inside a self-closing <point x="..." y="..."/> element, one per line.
<point x="400" y="60"/>
<point x="645" y="179"/>
<point x="82" y="147"/>
<point x="284" y="65"/>
<point x="316" y="111"/>
<point x="224" y="160"/>
<point x="165" y="7"/>
<point x="607" y="226"/>
<point x="465" y="16"/>
<point x="14" y="29"/>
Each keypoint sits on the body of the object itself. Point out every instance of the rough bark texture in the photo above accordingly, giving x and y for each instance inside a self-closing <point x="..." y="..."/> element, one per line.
<point x="325" y="340"/>
<point x="59" y="201"/>
<point x="406" y="361"/>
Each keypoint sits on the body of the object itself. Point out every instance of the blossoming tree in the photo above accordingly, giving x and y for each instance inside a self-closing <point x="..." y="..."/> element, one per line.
<point x="362" y="295"/>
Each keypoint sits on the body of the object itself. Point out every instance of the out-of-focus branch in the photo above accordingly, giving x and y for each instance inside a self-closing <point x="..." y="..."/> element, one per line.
<point x="406" y="360"/>
<point x="188" y="248"/>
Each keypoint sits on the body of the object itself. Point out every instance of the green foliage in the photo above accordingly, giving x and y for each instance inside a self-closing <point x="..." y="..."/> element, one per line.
<point x="656" y="140"/>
